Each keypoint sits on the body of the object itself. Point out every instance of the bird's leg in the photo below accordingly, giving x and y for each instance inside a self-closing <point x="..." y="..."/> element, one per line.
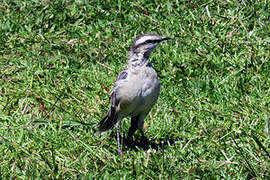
<point x="118" y="137"/>
<point x="140" y="126"/>
<point x="133" y="127"/>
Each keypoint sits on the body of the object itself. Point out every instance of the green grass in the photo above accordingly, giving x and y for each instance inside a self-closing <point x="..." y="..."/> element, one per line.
<point x="58" y="58"/>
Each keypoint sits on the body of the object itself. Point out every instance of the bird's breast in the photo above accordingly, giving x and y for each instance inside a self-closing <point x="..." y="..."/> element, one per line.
<point x="149" y="87"/>
<point x="140" y="91"/>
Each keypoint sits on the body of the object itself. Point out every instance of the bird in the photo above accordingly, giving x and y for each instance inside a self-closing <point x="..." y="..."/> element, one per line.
<point x="135" y="90"/>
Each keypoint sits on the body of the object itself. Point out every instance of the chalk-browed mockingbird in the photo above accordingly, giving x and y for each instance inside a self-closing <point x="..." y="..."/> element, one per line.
<point x="136" y="89"/>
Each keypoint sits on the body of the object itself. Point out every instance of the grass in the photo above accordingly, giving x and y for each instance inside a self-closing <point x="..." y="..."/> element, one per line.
<point x="59" y="58"/>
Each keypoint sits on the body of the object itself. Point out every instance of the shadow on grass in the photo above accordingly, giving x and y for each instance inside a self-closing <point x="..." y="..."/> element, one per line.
<point x="135" y="143"/>
<point x="145" y="144"/>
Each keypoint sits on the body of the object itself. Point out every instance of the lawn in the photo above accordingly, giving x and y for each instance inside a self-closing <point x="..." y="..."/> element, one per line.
<point x="58" y="63"/>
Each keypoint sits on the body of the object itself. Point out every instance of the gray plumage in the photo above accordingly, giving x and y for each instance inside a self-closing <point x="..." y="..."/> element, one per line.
<point x="136" y="89"/>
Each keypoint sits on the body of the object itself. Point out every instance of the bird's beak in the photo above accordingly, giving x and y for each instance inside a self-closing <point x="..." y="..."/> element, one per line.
<point x="165" y="38"/>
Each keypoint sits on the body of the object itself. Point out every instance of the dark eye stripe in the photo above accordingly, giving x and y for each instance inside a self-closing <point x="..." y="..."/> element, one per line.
<point x="151" y="41"/>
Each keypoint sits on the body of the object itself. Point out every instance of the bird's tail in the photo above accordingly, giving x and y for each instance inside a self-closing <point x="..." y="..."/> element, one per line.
<point x="107" y="122"/>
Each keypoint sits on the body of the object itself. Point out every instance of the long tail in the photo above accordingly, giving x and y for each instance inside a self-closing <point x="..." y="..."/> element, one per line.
<point x="107" y="122"/>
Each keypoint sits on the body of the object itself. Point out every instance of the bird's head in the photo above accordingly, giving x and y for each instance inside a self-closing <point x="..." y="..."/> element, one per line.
<point x="145" y="43"/>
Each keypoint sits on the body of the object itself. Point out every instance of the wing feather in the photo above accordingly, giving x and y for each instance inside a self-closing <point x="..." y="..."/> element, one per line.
<point x="122" y="76"/>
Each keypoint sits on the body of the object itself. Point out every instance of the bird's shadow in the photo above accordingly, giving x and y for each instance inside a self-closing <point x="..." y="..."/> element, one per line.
<point x="145" y="144"/>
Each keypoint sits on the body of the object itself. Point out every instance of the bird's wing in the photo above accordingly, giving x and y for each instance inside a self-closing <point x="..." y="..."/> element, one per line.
<point x="121" y="77"/>
<point x="109" y="121"/>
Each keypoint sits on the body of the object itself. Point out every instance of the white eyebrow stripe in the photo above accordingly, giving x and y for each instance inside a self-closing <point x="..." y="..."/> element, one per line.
<point x="143" y="39"/>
